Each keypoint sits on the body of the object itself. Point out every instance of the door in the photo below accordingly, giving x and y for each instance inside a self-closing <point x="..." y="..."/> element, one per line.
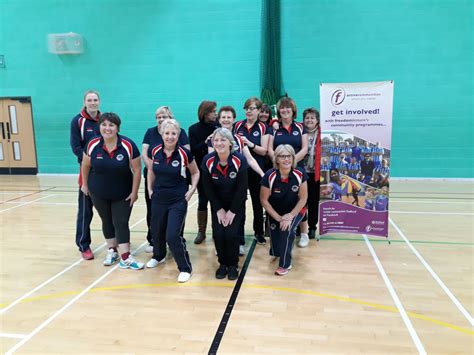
<point x="17" y="139"/>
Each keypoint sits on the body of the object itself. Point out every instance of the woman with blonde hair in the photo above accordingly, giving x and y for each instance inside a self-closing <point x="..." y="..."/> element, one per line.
<point x="283" y="194"/>
<point x="151" y="139"/>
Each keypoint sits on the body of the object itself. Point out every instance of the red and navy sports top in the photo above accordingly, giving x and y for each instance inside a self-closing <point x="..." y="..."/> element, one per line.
<point x="110" y="176"/>
<point x="284" y="192"/>
<point x="254" y="134"/>
<point x="83" y="128"/>
<point x="225" y="186"/>
<point x="170" y="184"/>
<point x="292" y="136"/>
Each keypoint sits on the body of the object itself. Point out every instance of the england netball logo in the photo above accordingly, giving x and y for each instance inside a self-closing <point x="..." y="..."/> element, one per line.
<point x="338" y="97"/>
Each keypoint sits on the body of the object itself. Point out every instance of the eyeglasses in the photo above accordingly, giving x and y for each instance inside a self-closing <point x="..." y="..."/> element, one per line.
<point x="250" y="108"/>
<point x="283" y="157"/>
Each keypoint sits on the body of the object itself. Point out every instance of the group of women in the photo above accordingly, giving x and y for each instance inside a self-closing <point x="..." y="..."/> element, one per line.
<point x="282" y="154"/>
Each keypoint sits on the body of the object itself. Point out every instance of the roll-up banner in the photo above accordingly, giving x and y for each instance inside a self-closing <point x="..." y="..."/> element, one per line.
<point x="356" y="137"/>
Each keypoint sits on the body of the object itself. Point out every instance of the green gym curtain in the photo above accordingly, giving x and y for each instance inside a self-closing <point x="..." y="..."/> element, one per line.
<point x="270" y="66"/>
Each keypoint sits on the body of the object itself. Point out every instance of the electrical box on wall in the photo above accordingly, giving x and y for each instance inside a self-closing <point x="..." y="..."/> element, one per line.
<point x="65" y="43"/>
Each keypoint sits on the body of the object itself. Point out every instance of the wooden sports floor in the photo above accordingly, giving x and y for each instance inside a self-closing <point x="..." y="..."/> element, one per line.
<point x="346" y="294"/>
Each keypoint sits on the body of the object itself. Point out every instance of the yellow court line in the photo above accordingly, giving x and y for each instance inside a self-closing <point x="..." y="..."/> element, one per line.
<point x="252" y="286"/>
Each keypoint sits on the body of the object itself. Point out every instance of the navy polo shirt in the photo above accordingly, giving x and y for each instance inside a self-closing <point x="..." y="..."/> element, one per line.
<point x="83" y="129"/>
<point x="153" y="138"/>
<point x="292" y="136"/>
<point x="110" y="177"/>
<point x="254" y="134"/>
<point x="170" y="174"/>
<point x="224" y="179"/>
<point x="284" y="192"/>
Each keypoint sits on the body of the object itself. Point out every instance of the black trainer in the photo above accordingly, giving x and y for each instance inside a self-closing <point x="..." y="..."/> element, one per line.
<point x="221" y="272"/>
<point x="260" y="239"/>
<point x="312" y="233"/>
<point x="232" y="273"/>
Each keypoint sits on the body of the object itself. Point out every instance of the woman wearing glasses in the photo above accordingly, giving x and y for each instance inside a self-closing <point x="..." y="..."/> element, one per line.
<point x="284" y="194"/>
<point x="295" y="134"/>
<point x="151" y="139"/>
<point x="255" y="135"/>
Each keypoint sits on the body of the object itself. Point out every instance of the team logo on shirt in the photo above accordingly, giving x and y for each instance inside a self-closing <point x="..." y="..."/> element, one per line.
<point x="273" y="226"/>
<point x="294" y="188"/>
<point x="232" y="175"/>
<point x="99" y="156"/>
<point x="295" y="133"/>
<point x="120" y="157"/>
<point x="256" y="133"/>
<point x="175" y="163"/>
<point x="277" y="191"/>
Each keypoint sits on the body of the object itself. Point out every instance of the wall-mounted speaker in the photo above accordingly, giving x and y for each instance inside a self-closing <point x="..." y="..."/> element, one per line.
<point x="65" y="43"/>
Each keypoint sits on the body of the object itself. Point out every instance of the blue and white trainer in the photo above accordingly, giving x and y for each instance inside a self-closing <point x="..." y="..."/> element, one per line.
<point x="111" y="258"/>
<point x="130" y="263"/>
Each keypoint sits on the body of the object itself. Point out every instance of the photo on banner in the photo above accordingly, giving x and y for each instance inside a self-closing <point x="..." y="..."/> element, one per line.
<point x="356" y="135"/>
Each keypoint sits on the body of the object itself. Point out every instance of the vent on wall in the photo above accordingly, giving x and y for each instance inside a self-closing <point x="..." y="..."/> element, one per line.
<point x="65" y="43"/>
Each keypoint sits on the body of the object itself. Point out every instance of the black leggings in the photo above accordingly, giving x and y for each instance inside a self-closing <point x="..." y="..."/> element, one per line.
<point x="202" y="198"/>
<point x="115" y="215"/>
<point x="313" y="201"/>
<point x="254" y="188"/>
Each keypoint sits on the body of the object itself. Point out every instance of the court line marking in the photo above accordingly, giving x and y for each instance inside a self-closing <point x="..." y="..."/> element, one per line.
<point x="140" y="205"/>
<point x="391" y="309"/>
<point x="39" y="287"/>
<point x="71" y="302"/>
<point x="13" y="336"/>
<point x="435" y="213"/>
<point x="437" y="202"/>
<point x="231" y="303"/>
<point x="66" y="306"/>
<point x="435" y="276"/>
<point x="398" y="303"/>
<point x="26" y="203"/>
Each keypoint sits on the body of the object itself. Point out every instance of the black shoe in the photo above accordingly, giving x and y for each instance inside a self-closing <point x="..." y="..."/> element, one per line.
<point x="199" y="238"/>
<point x="232" y="273"/>
<point x="312" y="233"/>
<point x="221" y="272"/>
<point x="260" y="239"/>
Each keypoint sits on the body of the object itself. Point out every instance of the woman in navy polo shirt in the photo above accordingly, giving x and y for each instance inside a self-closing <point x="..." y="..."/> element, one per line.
<point x="111" y="172"/>
<point x="226" y="120"/>
<point x="169" y="194"/>
<point x="151" y="139"/>
<point x="224" y="178"/>
<point x="255" y="136"/>
<point x="284" y="194"/>
<point x="84" y="126"/>
<point x="294" y="134"/>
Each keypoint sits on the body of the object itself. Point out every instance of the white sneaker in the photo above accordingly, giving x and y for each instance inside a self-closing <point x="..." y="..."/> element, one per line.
<point x="149" y="249"/>
<point x="154" y="263"/>
<point x="241" y="250"/>
<point x="304" y="240"/>
<point x="111" y="258"/>
<point x="184" y="276"/>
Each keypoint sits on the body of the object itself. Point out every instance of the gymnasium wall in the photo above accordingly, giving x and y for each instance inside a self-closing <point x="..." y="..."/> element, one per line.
<point x="145" y="53"/>
<point x="425" y="46"/>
